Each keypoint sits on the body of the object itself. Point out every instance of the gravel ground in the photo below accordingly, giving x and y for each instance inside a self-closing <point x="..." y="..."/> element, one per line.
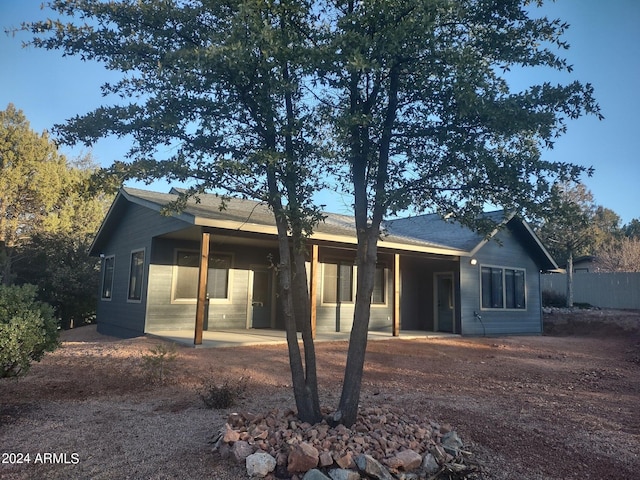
<point x="550" y="407"/>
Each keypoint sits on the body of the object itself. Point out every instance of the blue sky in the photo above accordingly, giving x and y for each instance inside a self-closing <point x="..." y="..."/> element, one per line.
<point x="605" y="51"/>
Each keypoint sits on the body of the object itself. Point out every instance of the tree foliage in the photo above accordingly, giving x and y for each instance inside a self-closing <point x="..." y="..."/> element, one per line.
<point x="32" y="176"/>
<point x="621" y="255"/>
<point x="47" y="219"/>
<point x="632" y="229"/>
<point x="419" y="100"/>
<point x="411" y="99"/>
<point x="66" y="277"/>
<point x="568" y="227"/>
<point x="220" y="83"/>
<point x="28" y="329"/>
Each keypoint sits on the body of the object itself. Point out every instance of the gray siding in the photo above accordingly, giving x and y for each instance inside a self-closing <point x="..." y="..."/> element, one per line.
<point x="417" y="305"/>
<point x="162" y="314"/>
<point x="333" y="317"/>
<point x="118" y="316"/>
<point x="509" y="253"/>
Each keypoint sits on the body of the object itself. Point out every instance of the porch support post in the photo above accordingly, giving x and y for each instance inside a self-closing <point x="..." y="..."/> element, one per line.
<point x="313" y="289"/>
<point x="396" y="295"/>
<point x="201" y="303"/>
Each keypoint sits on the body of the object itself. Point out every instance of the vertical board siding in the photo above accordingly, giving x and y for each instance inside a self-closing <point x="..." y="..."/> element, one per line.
<point x="604" y="290"/>
<point x="505" y="252"/>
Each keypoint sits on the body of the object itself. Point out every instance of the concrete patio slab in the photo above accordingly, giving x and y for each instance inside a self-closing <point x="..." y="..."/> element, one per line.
<point x="238" y="338"/>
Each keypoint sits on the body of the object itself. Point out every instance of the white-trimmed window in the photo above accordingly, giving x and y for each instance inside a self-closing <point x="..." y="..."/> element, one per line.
<point x="136" y="271"/>
<point x="379" y="295"/>
<point x="503" y="288"/>
<point x="186" y="275"/>
<point x="337" y="282"/>
<point x="108" y="268"/>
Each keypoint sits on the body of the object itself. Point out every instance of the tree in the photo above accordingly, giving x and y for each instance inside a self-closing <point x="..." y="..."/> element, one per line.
<point x="632" y="229"/>
<point x="220" y="82"/>
<point x="621" y="255"/>
<point x="568" y="228"/>
<point x="425" y="118"/>
<point x="32" y="178"/>
<point x="56" y="258"/>
<point x="47" y="219"/>
<point x="606" y="225"/>
<point x="412" y="96"/>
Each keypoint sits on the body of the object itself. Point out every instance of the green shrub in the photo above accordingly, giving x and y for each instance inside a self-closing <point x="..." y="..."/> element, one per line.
<point x="223" y="395"/>
<point x="28" y="329"/>
<point x="159" y="363"/>
<point x="553" y="299"/>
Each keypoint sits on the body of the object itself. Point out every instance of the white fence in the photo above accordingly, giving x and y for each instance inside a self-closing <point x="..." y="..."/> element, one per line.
<point x="604" y="290"/>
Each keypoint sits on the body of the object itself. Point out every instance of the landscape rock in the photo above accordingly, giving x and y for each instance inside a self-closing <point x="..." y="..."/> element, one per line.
<point x="344" y="461"/>
<point x="315" y="475"/>
<point x="343" y="474"/>
<point x="240" y="451"/>
<point x="405" y="460"/>
<point x="260" y="464"/>
<point x="452" y="443"/>
<point x="388" y="444"/>
<point x="372" y="468"/>
<point x="229" y="435"/>
<point x="325" y="459"/>
<point x="302" y="457"/>
<point x="429" y="464"/>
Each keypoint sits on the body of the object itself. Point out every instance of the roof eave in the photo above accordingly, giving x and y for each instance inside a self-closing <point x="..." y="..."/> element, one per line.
<point x="323" y="237"/>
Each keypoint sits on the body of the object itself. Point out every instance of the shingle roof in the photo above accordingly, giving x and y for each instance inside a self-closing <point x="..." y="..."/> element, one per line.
<point x="434" y="229"/>
<point x="429" y="233"/>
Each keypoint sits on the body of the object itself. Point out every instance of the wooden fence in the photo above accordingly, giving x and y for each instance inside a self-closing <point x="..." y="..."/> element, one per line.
<point x="604" y="290"/>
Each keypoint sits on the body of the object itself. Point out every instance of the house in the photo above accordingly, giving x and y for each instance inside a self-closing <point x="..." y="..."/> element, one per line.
<point x="583" y="264"/>
<point x="433" y="274"/>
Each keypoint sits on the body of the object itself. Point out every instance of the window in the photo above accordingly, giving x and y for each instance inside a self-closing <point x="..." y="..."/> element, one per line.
<point x="502" y="288"/>
<point x="379" y="286"/>
<point x="186" y="281"/>
<point x="107" y="277"/>
<point x="135" y="275"/>
<point x="337" y="282"/>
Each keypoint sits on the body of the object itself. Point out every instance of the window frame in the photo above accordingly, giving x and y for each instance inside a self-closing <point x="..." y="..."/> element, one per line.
<point x="192" y="300"/>
<point x="105" y="259"/>
<point x="354" y="273"/>
<point x="141" y="280"/>
<point x="338" y="262"/>
<point x="504" y="288"/>
<point x="385" y="286"/>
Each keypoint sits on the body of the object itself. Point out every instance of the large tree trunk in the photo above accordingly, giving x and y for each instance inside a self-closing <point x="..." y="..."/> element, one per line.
<point x="305" y="388"/>
<point x="367" y="232"/>
<point x="303" y="315"/>
<point x="347" y="412"/>
<point x="570" y="280"/>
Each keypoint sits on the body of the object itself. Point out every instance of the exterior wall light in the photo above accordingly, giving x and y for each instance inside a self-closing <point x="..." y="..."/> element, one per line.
<point x="473" y="261"/>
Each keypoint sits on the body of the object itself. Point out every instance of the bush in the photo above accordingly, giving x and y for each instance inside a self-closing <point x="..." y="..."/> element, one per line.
<point x="553" y="299"/>
<point x="159" y="363"/>
<point x="28" y="329"/>
<point x="223" y="395"/>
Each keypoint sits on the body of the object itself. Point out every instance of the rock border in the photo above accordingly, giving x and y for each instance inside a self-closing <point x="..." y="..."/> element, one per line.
<point x="384" y="444"/>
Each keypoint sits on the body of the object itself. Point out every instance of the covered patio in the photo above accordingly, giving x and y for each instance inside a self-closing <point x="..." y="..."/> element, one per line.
<point x="240" y="337"/>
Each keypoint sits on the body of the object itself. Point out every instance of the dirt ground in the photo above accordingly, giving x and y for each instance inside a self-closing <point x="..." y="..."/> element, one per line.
<point x="560" y="406"/>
